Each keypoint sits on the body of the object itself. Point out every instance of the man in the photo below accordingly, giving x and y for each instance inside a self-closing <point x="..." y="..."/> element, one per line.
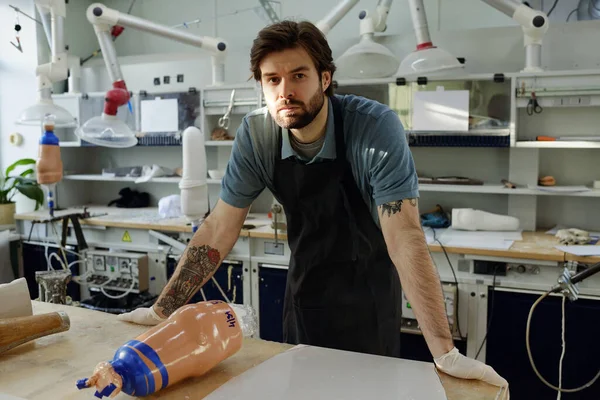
<point x="342" y="169"/>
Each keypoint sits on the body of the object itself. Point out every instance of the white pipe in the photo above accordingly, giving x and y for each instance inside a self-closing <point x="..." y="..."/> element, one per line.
<point x="507" y="7"/>
<point x="335" y="15"/>
<point x="533" y="58"/>
<point x="103" y="18"/>
<point x="58" y="36"/>
<point x="109" y="54"/>
<point x="215" y="18"/>
<point x="419" y="20"/>
<point x="381" y="14"/>
<point x="45" y="17"/>
<point x="74" y="65"/>
<point x="114" y="17"/>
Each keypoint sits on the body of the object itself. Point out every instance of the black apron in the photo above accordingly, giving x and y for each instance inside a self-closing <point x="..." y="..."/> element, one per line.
<point x="342" y="291"/>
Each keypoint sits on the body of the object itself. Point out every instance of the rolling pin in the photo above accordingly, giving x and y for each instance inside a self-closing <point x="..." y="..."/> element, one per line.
<point x="16" y="331"/>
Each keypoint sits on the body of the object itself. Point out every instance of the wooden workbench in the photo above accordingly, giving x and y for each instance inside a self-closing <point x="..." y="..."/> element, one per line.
<point x="128" y="218"/>
<point x="534" y="246"/>
<point x="50" y="367"/>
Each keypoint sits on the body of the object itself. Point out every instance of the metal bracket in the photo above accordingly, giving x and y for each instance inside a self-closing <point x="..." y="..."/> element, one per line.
<point x="567" y="287"/>
<point x="266" y="5"/>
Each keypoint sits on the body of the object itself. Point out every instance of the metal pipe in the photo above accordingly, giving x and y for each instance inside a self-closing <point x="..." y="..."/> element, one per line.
<point x="419" y="20"/>
<point x="385" y="3"/>
<point x="58" y="35"/>
<point x="110" y="55"/>
<point x="507" y="7"/>
<point x="218" y="68"/>
<point x="45" y="24"/>
<point x="161" y="30"/>
<point x="335" y="15"/>
<point x="533" y="57"/>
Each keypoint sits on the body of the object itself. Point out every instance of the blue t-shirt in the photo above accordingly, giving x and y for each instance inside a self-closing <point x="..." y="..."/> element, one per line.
<point x="376" y="148"/>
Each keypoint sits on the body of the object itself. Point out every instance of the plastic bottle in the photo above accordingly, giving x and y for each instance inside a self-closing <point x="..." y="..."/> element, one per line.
<point x="49" y="167"/>
<point x="49" y="164"/>
<point x="190" y="342"/>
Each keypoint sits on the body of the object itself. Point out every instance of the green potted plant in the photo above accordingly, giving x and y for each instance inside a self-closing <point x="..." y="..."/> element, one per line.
<point x="22" y="183"/>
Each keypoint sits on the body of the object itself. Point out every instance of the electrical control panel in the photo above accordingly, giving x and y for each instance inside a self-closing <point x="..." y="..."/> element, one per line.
<point x="117" y="271"/>
<point x="409" y="320"/>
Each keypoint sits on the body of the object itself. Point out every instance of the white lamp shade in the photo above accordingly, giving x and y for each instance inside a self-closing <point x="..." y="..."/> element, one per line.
<point x="367" y="59"/>
<point x="107" y="131"/>
<point x="428" y="61"/>
<point x="35" y="114"/>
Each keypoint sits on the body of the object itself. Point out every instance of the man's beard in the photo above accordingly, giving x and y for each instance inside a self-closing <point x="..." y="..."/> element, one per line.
<point x="300" y="117"/>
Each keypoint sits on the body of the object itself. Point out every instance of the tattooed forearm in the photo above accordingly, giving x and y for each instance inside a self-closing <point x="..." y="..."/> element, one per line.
<point x="394" y="207"/>
<point x="199" y="263"/>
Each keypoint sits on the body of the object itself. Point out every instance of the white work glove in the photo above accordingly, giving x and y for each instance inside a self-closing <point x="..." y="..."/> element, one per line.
<point x="455" y="364"/>
<point x="572" y="236"/>
<point x="142" y="316"/>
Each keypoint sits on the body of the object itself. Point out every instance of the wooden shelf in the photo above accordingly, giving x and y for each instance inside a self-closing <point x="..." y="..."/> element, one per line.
<point x="533" y="144"/>
<point x="102" y="178"/>
<point x="500" y="189"/>
<point x="491" y="189"/>
<point x="223" y="143"/>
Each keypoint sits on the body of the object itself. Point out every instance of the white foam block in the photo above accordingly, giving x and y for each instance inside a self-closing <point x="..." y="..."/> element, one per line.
<point x="315" y="373"/>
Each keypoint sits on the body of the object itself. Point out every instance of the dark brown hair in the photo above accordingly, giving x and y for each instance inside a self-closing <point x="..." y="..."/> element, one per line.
<point x="289" y="35"/>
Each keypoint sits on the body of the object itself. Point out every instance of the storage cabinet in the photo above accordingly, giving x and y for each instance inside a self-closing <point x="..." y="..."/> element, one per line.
<point x="507" y="353"/>
<point x="271" y="294"/>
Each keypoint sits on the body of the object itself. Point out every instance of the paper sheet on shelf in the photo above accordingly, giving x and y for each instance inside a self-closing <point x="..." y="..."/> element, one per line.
<point x="159" y="115"/>
<point x="441" y="110"/>
<point x="452" y="233"/>
<point x="581" y="250"/>
<point x="429" y="237"/>
<point x="488" y="244"/>
<point x="560" y="189"/>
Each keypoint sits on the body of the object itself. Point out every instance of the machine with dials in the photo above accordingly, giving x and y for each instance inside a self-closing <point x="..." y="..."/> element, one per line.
<point x="116" y="271"/>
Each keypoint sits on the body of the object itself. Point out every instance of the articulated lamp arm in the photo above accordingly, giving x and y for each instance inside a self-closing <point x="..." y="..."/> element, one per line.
<point x="54" y="71"/>
<point x="104" y="18"/>
<point x="534" y="24"/>
<point x="335" y="15"/>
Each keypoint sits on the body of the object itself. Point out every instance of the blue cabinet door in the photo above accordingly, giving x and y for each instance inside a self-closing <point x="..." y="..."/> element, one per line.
<point x="507" y="354"/>
<point x="229" y="276"/>
<point x="271" y="293"/>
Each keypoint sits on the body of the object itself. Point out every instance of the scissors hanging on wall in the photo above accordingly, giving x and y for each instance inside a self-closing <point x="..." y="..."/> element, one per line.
<point x="533" y="107"/>
<point x="224" y="120"/>
<point x="17" y="30"/>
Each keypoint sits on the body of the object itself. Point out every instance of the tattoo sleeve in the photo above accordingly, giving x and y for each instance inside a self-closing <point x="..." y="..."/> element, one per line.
<point x="199" y="264"/>
<point x="394" y="207"/>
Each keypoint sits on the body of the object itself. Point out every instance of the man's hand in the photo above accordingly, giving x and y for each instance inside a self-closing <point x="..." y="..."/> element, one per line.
<point x="455" y="364"/>
<point x="142" y="316"/>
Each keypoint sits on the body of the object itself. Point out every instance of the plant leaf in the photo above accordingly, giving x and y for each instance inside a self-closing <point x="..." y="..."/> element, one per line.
<point x="22" y="180"/>
<point x="27" y="172"/>
<point x="34" y="192"/>
<point x="23" y="161"/>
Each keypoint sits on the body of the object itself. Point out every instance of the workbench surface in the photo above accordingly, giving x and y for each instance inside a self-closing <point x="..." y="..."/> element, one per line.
<point x="534" y="246"/>
<point x="49" y="367"/>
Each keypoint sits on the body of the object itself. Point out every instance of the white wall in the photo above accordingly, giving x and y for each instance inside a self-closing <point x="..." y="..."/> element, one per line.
<point x="17" y="87"/>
